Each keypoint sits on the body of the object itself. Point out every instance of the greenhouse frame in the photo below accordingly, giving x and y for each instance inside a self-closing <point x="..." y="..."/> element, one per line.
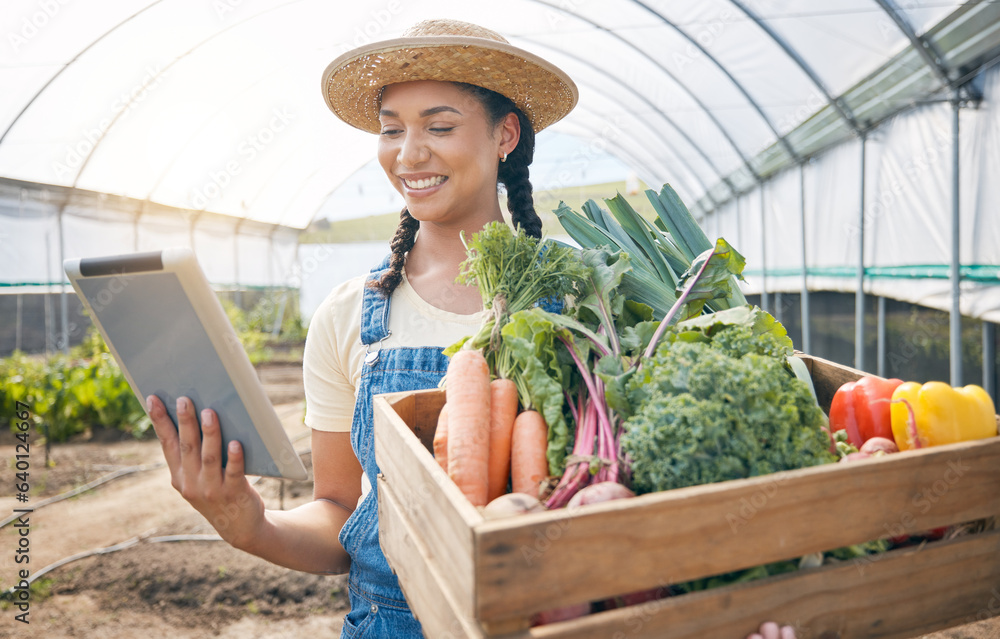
<point x="844" y="145"/>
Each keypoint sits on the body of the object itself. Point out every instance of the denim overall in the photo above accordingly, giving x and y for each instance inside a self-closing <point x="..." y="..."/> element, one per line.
<point x="378" y="609"/>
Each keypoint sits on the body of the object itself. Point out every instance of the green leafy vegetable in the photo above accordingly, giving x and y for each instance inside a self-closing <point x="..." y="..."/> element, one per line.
<point x="717" y="408"/>
<point x="659" y="254"/>
<point x="541" y="377"/>
<point x="513" y="271"/>
<point x="716" y="280"/>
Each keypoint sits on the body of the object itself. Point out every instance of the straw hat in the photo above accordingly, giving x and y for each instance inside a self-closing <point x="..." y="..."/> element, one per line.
<point x="446" y="50"/>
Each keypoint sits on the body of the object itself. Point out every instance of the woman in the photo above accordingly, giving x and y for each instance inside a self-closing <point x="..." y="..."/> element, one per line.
<point x="456" y="109"/>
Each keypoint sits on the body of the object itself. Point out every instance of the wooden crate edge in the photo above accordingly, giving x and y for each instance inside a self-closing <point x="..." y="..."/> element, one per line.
<point x="423" y="580"/>
<point x="866" y="598"/>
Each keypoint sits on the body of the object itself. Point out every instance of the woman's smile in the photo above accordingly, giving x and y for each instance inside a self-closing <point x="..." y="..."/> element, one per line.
<point x="422" y="184"/>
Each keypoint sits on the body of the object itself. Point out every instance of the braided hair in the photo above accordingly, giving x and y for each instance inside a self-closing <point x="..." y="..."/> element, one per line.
<point x="513" y="174"/>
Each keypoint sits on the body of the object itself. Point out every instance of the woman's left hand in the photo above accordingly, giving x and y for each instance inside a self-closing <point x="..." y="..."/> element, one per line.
<point x="770" y="630"/>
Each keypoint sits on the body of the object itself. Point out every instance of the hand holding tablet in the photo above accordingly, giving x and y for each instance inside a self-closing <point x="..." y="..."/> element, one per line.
<point x="166" y="328"/>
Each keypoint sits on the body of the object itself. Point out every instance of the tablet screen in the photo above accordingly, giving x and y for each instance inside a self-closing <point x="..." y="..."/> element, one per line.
<point x="168" y="348"/>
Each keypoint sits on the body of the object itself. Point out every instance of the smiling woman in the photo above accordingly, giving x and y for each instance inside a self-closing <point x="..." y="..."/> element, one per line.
<point x="456" y="109"/>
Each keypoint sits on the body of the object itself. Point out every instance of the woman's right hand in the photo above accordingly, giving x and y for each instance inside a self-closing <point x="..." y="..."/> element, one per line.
<point x="223" y="496"/>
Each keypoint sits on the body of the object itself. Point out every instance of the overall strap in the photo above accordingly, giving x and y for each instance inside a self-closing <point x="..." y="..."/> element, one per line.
<point x="375" y="308"/>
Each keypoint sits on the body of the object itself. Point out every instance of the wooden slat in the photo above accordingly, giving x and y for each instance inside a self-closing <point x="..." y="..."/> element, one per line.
<point x="535" y="562"/>
<point x="900" y="595"/>
<point x="428" y="498"/>
<point x="423" y="578"/>
<point x="827" y="377"/>
<point x="419" y="411"/>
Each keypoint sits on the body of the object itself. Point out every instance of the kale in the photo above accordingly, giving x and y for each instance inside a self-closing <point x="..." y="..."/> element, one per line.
<point x="716" y="408"/>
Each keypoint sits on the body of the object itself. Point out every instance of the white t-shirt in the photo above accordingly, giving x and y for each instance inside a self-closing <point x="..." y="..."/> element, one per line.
<point x="334" y="354"/>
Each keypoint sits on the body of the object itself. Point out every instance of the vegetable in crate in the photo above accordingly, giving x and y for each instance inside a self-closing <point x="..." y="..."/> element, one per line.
<point x="942" y="414"/>
<point x="468" y="401"/>
<point x="513" y="272"/>
<point x="607" y="338"/>
<point x="862" y="409"/>
<point x="717" y="402"/>
<point x="659" y="253"/>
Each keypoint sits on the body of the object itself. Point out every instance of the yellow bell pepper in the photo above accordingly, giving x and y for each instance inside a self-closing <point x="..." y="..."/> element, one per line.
<point x="944" y="415"/>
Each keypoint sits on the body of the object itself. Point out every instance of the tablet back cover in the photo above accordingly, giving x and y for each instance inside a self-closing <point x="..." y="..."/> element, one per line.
<point x="166" y="351"/>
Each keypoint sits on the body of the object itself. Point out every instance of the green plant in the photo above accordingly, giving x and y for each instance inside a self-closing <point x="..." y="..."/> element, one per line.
<point x="254" y="327"/>
<point x="68" y="394"/>
<point x="660" y="252"/>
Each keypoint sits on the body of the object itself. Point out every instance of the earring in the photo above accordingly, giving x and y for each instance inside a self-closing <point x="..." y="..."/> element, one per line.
<point x="504" y="158"/>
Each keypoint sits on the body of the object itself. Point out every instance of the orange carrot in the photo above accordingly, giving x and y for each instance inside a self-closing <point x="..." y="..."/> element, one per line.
<point x="441" y="439"/>
<point x="468" y="397"/>
<point x="503" y="410"/>
<point x="528" y="464"/>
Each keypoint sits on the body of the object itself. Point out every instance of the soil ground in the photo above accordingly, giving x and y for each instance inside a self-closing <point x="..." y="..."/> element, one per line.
<point x="182" y="590"/>
<point x="177" y="590"/>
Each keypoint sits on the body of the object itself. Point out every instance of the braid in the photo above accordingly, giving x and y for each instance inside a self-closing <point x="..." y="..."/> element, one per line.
<point x="513" y="173"/>
<point x="402" y="242"/>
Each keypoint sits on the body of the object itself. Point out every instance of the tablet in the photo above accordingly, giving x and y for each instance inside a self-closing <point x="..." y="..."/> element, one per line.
<point x="165" y="326"/>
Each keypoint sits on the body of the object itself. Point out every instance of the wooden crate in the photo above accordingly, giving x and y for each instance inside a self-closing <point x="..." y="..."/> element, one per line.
<point x="465" y="576"/>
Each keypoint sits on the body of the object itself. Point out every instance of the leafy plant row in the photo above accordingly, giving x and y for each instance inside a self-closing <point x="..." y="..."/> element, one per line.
<point x="68" y="394"/>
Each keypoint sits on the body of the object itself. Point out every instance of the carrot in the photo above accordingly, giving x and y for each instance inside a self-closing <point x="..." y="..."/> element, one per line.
<point x="528" y="464"/>
<point x="468" y="397"/>
<point x="503" y="410"/>
<point x="441" y="439"/>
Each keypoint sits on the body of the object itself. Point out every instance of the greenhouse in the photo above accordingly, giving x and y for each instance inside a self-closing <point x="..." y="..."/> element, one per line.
<point x="842" y="146"/>
<point x="848" y="149"/>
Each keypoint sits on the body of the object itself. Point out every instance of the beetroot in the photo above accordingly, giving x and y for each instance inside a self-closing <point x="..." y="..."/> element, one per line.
<point x="600" y="492"/>
<point x="560" y="614"/>
<point x="877" y="445"/>
<point x="855" y="456"/>
<point x="636" y="598"/>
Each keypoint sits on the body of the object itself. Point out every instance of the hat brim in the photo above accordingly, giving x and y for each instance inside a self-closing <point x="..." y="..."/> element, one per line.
<point x="352" y="83"/>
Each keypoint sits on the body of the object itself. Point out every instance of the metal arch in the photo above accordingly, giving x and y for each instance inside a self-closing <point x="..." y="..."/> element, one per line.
<point x="68" y="64"/>
<point x="724" y="178"/>
<point x="643" y="98"/>
<point x="739" y="86"/>
<point x="834" y="103"/>
<point x="691" y="94"/>
<point x="629" y="148"/>
<point x="926" y="49"/>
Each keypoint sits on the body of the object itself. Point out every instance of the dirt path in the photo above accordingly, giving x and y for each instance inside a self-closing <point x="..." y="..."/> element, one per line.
<point x="183" y="590"/>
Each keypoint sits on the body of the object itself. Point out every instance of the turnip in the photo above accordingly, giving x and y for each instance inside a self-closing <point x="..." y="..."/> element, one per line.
<point x="600" y="492"/>
<point x="511" y="504"/>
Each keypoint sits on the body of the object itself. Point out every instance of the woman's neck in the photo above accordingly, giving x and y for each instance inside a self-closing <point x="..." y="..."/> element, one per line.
<point x="433" y="263"/>
<point x="440" y="245"/>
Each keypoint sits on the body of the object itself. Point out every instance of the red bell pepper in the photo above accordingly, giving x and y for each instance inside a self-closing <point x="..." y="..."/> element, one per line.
<point x="862" y="409"/>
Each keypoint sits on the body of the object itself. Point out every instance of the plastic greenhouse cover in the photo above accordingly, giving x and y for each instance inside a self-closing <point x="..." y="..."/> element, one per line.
<point x="216" y="106"/>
